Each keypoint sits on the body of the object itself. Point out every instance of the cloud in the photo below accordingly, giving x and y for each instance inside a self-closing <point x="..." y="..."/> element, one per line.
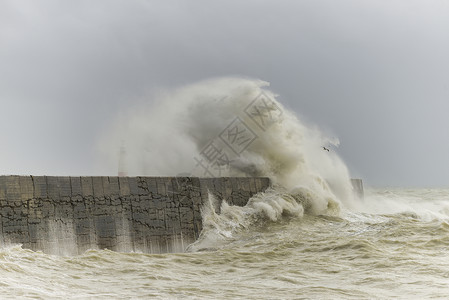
<point x="372" y="73"/>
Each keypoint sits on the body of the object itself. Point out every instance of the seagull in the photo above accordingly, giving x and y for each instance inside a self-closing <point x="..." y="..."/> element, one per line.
<point x="325" y="149"/>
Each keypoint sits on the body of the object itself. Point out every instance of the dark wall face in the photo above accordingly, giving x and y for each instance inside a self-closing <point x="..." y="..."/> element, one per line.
<point x="68" y="215"/>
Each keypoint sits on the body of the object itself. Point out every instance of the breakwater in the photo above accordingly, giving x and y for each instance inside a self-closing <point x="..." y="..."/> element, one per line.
<point x="68" y="215"/>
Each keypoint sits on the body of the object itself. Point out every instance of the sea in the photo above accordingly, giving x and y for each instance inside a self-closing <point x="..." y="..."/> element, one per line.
<point x="394" y="245"/>
<point x="306" y="237"/>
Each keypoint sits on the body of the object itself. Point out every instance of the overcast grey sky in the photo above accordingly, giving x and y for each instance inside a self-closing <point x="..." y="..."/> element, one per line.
<point x="373" y="73"/>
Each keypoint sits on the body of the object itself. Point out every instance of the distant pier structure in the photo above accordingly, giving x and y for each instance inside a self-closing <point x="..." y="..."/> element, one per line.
<point x="357" y="187"/>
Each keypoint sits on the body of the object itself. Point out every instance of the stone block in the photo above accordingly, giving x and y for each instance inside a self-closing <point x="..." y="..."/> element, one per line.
<point x="245" y="185"/>
<point x="84" y="242"/>
<point x="105" y="226"/>
<point x="206" y="183"/>
<point x="6" y="212"/>
<point x="124" y="186"/>
<point x="227" y="186"/>
<point x="161" y="186"/>
<point x="97" y="184"/>
<point x="115" y="201"/>
<point x="3" y="187"/>
<point x="133" y="188"/>
<point x="141" y="217"/>
<point x="82" y="226"/>
<point x="144" y="202"/>
<point x="252" y="186"/>
<point x="262" y="183"/>
<point x="75" y="183"/>
<point x="12" y="187"/>
<point x="125" y="204"/>
<point x="64" y="211"/>
<point x="87" y="186"/>
<point x="65" y="186"/>
<point x="79" y="210"/>
<point x="53" y="189"/>
<point x="105" y="186"/>
<point x="151" y="185"/>
<point x="235" y="182"/>
<point x="48" y="209"/>
<point x="142" y="186"/>
<point x="113" y="186"/>
<point x="168" y="187"/>
<point x="160" y="203"/>
<point x="26" y="187"/>
<point x="34" y="231"/>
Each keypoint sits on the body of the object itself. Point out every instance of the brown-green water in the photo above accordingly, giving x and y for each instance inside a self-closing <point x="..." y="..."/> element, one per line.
<point x="396" y="245"/>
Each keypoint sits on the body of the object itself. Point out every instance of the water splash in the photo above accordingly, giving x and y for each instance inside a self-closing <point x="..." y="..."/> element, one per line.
<point x="220" y="228"/>
<point x="238" y="126"/>
<point x="429" y="205"/>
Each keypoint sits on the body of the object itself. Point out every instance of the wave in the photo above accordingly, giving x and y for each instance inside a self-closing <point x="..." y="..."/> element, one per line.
<point x="220" y="228"/>
<point x="423" y="204"/>
<point x="237" y="127"/>
<point x="232" y="127"/>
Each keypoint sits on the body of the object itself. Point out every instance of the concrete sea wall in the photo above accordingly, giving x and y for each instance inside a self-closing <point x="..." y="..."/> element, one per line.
<point x="68" y="215"/>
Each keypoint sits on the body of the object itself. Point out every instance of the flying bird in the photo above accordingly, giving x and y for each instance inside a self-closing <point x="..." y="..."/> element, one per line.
<point x="325" y="149"/>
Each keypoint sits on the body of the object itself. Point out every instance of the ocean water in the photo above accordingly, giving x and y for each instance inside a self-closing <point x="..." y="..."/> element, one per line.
<point x="308" y="237"/>
<point x="394" y="244"/>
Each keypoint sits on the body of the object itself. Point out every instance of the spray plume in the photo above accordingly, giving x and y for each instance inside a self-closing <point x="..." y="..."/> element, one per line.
<point x="231" y="127"/>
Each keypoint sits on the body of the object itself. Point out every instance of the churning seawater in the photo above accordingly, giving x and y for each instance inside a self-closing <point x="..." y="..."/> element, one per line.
<point x="307" y="238"/>
<point x="398" y="247"/>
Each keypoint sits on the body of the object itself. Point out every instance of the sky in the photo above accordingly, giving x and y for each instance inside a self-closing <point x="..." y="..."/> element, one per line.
<point x="373" y="73"/>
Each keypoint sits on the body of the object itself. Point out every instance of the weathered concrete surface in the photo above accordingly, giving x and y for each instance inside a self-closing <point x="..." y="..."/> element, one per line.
<point x="68" y="215"/>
